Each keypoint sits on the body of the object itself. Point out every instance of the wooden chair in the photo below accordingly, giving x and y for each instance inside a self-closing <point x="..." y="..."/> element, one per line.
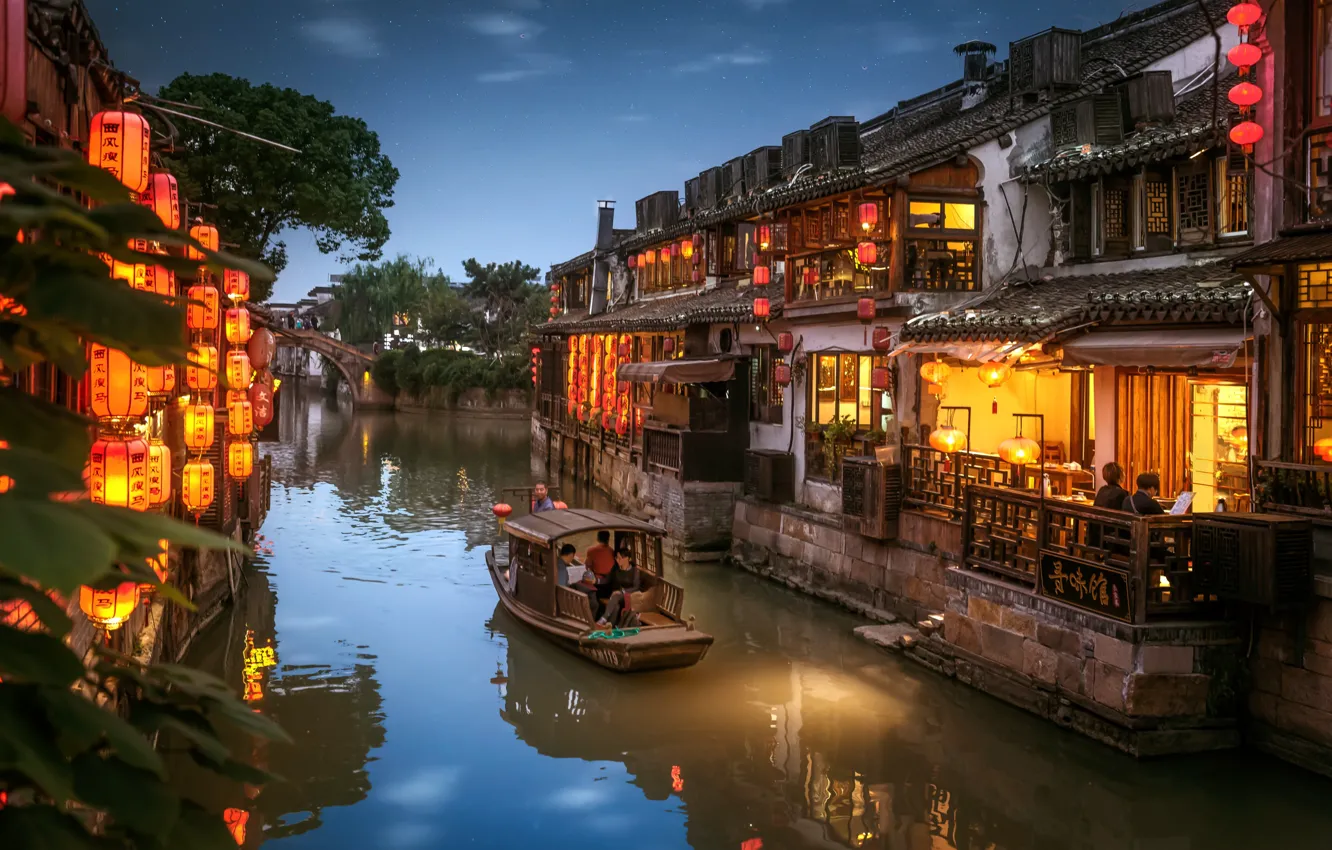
<point x="1054" y="453"/>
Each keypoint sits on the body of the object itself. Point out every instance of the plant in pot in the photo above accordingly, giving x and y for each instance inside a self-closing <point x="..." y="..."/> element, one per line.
<point x="837" y="436"/>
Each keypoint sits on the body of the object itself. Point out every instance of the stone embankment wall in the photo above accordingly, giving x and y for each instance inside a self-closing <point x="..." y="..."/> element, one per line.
<point x="507" y="404"/>
<point x="1291" y="701"/>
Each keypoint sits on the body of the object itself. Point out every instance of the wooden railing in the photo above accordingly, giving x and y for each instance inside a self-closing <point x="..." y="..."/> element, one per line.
<point x="670" y="598"/>
<point x="937" y="481"/>
<point x="661" y="451"/>
<point x="573" y="605"/>
<point x="1118" y="565"/>
<point x="1294" y="488"/>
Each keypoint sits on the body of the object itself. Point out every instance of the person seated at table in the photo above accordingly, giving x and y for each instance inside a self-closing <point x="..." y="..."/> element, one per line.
<point x="623" y="580"/>
<point x="600" y="558"/>
<point x="541" y="498"/>
<point x="1144" y="501"/>
<point x="1111" y="495"/>
<point x="567" y="559"/>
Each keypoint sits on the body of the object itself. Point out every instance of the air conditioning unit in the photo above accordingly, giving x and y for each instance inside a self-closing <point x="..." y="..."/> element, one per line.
<point x="763" y="168"/>
<point x="795" y="152"/>
<point x="1050" y="59"/>
<point x="733" y="179"/>
<point x="693" y="195"/>
<point x="770" y="475"/>
<point x="834" y="143"/>
<point x="1149" y="98"/>
<point x="871" y="497"/>
<point x="710" y="193"/>
<point x="1261" y="559"/>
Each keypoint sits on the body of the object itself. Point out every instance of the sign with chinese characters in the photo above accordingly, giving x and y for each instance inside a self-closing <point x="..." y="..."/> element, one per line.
<point x="1097" y="588"/>
<point x="255" y="659"/>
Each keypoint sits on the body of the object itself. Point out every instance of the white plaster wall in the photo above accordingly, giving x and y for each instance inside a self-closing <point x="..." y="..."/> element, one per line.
<point x="1198" y="55"/>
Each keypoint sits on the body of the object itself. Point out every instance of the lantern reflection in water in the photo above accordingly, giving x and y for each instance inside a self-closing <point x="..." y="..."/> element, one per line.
<point x="254" y="660"/>
<point x="236" y="821"/>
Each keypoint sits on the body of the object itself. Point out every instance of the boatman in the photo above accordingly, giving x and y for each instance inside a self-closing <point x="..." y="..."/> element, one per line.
<point x="541" y="498"/>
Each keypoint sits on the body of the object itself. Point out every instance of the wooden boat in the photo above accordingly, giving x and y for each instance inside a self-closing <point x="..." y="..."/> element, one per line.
<point x="523" y="572"/>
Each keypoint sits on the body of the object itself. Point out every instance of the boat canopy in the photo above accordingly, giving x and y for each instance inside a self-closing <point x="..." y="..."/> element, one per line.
<point x="548" y="526"/>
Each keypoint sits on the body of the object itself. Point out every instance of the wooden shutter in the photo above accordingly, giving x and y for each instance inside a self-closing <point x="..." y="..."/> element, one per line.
<point x="1158" y="211"/>
<point x="1080" y="220"/>
<point x="1115" y="216"/>
<point x="1193" y="202"/>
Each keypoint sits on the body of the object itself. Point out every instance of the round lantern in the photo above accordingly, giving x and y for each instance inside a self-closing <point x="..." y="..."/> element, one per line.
<point x="196" y="486"/>
<point x="624" y="349"/>
<point x="159" y="474"/>
<point x="879" y="378"/>
<point x="1244" y="55"/>
<point x="1244" y="15"/>
<point x="201" y="371"/>
<point x="199" y="425"/>
<point x="785" y="342"/>
<point x="161" y="380"/>
<point x="1020" y="450"/>
<point x="109" y="609"/>
<point x="696" y="276"/>
<point x="633" y="261"/>
<point x="668" y="345"/>
<point x="935" y="372"/>
<point x="867" y="253"/>
<point x="666" y="254"/>
<point x="162" y="196"/>
<point x="236" y="285"/>
<point x="238" y="326"/>
<point x="238" y="370"/>
<point x="865" y="310"/>
<point x="761" y="308"/>
<point x="118" y="143"/>
<point x="881" y="339"/>
<point x="647" y="258"/>
<point x="118" y="473"/>
<point x="1246" y="133"/>
<point x="118" y="387"/>
<point x="764" y="236"/>
<point x="202" y="312"/>
<point x="1245" y="94"/>
<point x="948" y="440"/>
<point x="207" y="236"/>
<point x="687" y="249"/>
<point x="1323" y="449"/>
<point x="994" y="374"/>
<point x="261" y="347"/>
<point x="501" y="511"/>
<point x="781" y="373"/>
<point x="240" y="414"/>
<point x="869" y="215"/>
<point x="240" y="459"/>
<point x="762" y="275"/>
<point x="561" y="506"/>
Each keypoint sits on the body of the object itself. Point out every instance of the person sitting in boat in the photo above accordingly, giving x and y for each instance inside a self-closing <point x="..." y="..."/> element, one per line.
<point x="600" y="558"/>
<point x="623" y="580"/>
<point x="567" y="559"/>
<point x="541" y="498"/>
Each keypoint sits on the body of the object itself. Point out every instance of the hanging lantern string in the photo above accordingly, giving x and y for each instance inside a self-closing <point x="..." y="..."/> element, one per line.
<point x="158" y="108"/>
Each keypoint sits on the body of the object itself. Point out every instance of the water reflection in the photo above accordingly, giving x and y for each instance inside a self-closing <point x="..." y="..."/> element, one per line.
<point x="423" y="716"/>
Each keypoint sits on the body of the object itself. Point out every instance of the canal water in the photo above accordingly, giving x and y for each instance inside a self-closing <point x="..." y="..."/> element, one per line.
<point x="423" y="717"/>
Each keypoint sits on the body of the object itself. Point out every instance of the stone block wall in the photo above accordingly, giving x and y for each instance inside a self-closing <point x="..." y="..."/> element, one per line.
<point x="1290" y="704"/>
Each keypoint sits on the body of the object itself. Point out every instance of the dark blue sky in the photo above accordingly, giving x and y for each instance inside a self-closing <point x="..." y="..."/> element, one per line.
<point x="509" y="119"/>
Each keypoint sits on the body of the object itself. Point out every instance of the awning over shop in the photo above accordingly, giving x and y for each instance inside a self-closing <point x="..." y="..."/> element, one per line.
<point x="711" y="370"/>
<point x="1174" y="349"/>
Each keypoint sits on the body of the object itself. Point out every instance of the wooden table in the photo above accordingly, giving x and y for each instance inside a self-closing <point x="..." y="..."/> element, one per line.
<point x="1062" y="479"/>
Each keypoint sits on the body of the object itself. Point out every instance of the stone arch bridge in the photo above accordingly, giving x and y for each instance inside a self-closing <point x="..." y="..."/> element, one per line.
<point x="353" y="363"/>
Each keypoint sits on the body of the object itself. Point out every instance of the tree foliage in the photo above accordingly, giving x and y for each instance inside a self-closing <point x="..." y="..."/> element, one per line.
<point x="338" y="186"/>
<point x="414" y="371"/>
<point x="76" y="775"/>
<point x="507" y="292"/>
<point x="372" y="294"/>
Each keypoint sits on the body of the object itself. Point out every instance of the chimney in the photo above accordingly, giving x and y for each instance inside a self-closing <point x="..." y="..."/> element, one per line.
<point x="975" y="62"/>
<point x="601" y="257"/>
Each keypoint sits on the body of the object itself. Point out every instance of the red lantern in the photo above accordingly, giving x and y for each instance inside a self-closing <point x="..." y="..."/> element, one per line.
<point x="668" y="345"/>
<point x="623" y="387"/>
<point x="781" y="373"/>
<point x="261" y="401"/>
<point x="14" y="63"/>
<point x="236" y="285"/>
<point x="118" y="143"/>
<point x="810" y="275"/>
<point x="633" y="261"/>
<point x="501" y="511"/>
<point x="762" y="276"/>
<point x="207" y="236"/>
<point x="1323" y="449"/>
<point x="624" y="349"/>
<point x="201" y="373"/>
<point x="696" y="276"/>
<point x="109" y="609"/>
<point x="1244" y="15"/>
<point x="785" y="342"/>
<point x="867" y="253"/>
<point x="764" y="236"/>
<point x="199" y="426"/>
<point x="649" y="257"/>
<point x="118" y="387"/>
<point x="1246" y="133"/>
<point x="865" y="310"/>
<point x="1245" y="94"/>
<point x="761" y="308"/>
<point x="159" y="474"/>
<point x="196" y="486"/>
<point x="869" y="216"/>
<point x="162" y="196"/>
<point x="687" y="249"/>
<point x="1244" y="55"/>
<point x="261" y="348"/>
<point x="879" y="378"/>
<point x="202" y="313"/>
<point x="118" y="473"/>
<point x="666" y="254"/>
<point x="238" y="325"/>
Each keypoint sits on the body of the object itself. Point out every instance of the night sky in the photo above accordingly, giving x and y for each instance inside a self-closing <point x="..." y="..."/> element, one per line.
<point x="509" y="119"/>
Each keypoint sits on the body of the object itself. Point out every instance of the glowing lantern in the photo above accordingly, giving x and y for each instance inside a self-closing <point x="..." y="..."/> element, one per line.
<point x="199" y="425"/>
<point x="1323" y="449"/>
<point x="869" y="215"/>
<point x="1244" y="15"/>
<point x="109" y="609"/>
<point x="236" y="285"/>
<point x="1020" y="450"/>
<point x="762" y="275"/>
<point x="668" y="345"/>
<point x="162" y="196"/>
<point x="236" y="821"/>
<point x="196" y="486"/>
<point x="865" y="310"/>
<point x="994" y="374"/>
<point x="502" y="510"/>
<point x="118" y="143"/>
<point x="948" y="440"/>
<point x="785" y="342"/>
<point x="761" y="308"/>
<point x="202" y="312"/>
<point x="882" y="339"/>
<point x="867" y="253"/>
<point x="764" y="236"/>
<point x="650" y="257"/>
<point x="118" y="473"/>
<point x="781" y="373"/>
<point x="207" y="236"/>
<point x="240" y="414"/>
<point x="5" y="481"/>
<point x="1244" y="55"/>
<point x="118" y="386"/>
<point x="201" y="371"/>
<point x="240" y="459"/>
<point x="1245" y="94"/>
<point x="161" y="380"/>
<point x="238" y="370"/>
<point x="561" y="506"/>
<point x="159" y="563"/>
<point x="159" y="474"/>
<point x="687" y="249"/>
<point x="666" y="254"/>
<point x="261" y="348"/>
<point x="1246" y="133"/>
<point x="624" y="349"/>
<point x="935" y="372"/>
<point x="879" y="378"/>
<point x="238" y="326"/>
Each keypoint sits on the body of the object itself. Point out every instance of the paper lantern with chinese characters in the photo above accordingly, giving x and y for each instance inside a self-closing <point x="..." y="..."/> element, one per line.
<point x="948" y="440"/>
<point x="201" y="370"/>
<point x="238" y="370"/>
<point x="762" y="308"/>
<point x="159" y="474"/>
<point x="868" y="214"/>
<point x="881" y="339"/>
<point x="207" y="236"/>
<point x="109" y="609"/>
<point x="785" y="342"/>
<point x="236" y="285"/>
<point x="935" y="371"/>
<point x="240" y="459"/>
<point x="202" y="312"/>
<point x="199" y="426"/>
<point x="865" y="310"/>
<point x="118" y="387"/>
<point x="238" y="326"/>
<point x="161" y="380"/>
<point x="261" y="402"/>
<point x="146" y="278"/>
<point x="867" y="253"/>
<point x="5" y="481"/>
<point x="762" y="275"/>
<point x="118" y="142"/>
<point x="118" y="473"/>
<point x="196" y="486"/>
<point x="994" y="374"/>
<point x="162" y="196"/>
<point x="879" y="378"/>
<point x="1020" y="450"/>
<point x="781" y="374"/>
<point x="261" y="348"/>
<point x="240" y="414"/>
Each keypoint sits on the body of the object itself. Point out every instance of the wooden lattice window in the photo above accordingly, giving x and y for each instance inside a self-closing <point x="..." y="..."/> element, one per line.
<point x="1322" y="59"/>
<point x="765" y="394"/>
<point x="941" y="265"/>
<point x="1114" y="203"/>
<point x="1313" y="285"/>
<point x="1320" y="176"/>
<point x="1232" y="201"/>
<point x="1316" y="385"/>
<point x="1194" y="204"/>
<point x="1064" y="127"/>
<point x="1157" y="212"/>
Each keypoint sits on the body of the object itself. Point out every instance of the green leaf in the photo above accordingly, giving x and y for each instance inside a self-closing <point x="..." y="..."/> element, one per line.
<point x="28" y="422"/>
<point x="136" y="799"/>
<point x="34" y="473"/>
<point x="198" y="829"/>
<point x="37" y="657"/>
<point x="241" y="716"/>
<point x="52" y="543"/>
<point x="52" y="616"/>
<point x="26" y="743"/>
<point x="45" y="828"/>
<point x="137" y="533"/>
<point x="189" y="725"/>
<point x="85" y="724"/>
<point x="236" y="770"/>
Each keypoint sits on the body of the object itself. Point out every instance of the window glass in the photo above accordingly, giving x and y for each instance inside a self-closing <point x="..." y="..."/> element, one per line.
<point x="1323" y="58"/>
<point x="937" y="215"/>
<point x="926" y="214"/>
<point x="937" y="264"/>
<point x="825" y="388"/>
<point x="960" y="216"/>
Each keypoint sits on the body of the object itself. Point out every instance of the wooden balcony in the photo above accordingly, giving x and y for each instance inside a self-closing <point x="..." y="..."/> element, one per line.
<point x="936" y="482"/>
<point x="1294" y="488"/>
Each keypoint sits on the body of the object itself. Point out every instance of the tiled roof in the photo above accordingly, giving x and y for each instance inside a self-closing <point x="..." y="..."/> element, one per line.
<point x="1037" y="310"/>
<point x="1191" y="129"/>
<point x="1287" y="249"/>
<point x="582" y="261"/>
<point x="666" y="314"/>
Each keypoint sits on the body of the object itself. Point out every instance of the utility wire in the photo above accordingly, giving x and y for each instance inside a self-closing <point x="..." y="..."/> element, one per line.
<point x="187" y="116"/>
